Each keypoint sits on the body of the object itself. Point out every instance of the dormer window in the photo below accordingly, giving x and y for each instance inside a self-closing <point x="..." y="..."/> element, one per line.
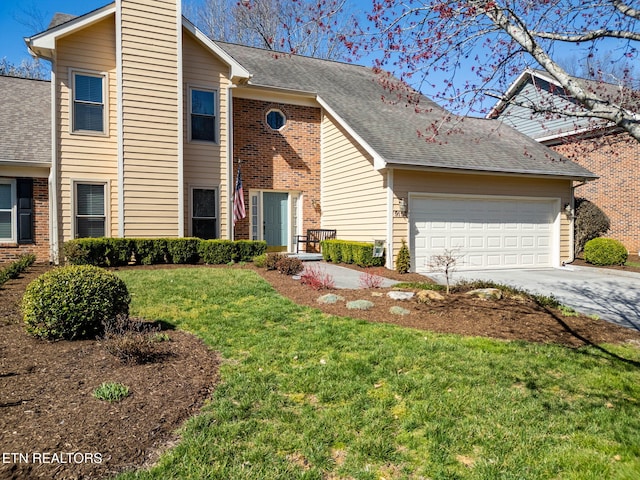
<point x="276" y="119"/>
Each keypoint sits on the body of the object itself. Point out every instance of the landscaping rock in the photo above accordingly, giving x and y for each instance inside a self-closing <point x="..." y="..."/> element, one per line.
<point x="330" y="298"/>
<point x="360" y="305"/>
<point x="486" y="293"/>
<point x="398" y="295"/>
<point x="395" y="310"/>
<point x="428" y="296"/>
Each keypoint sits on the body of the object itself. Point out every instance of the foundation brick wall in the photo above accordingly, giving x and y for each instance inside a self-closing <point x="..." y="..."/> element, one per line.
<point x="40" y="247"/>
<point x="616" y="159"/>
<point x="284" y="160"/>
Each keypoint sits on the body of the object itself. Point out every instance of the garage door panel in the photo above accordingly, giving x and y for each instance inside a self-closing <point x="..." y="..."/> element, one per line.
<point x="487" y="233"/>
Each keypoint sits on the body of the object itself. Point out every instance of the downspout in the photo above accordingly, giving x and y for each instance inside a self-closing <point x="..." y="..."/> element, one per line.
<point x="119" y="120"/>
<point x="390" y="199"/>
<point x="180" y="93"/>
<point x="54" y="230"/>
<point x="230" y="185"/>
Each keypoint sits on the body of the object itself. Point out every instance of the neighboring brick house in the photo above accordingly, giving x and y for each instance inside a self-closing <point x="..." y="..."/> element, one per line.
<point x="152" y="120"/>
<point x="608" y="152"/>
<point x="25" y="161"/>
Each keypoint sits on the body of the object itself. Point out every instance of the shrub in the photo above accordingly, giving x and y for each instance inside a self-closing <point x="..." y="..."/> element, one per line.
<point x="370" y="280"/>
<point x="605" y="251"/>
<point x="359" y="253"/>
<point x="15" y="268"/>
<point x="150" y="251"/>
<point x="111" y="392"/>
<point x="73" y="302"/>
<point x="260" y="261"/>
<point x="183" y="250"/>
<point x="403" y="260"/>
<point x="131" y="341"/>
<point x="289" y="266"/>
<point x="217" y="252"/>
<point x="590" y="223"/>
<point x="316" y="278"/>
<point x="246" y="250"/>
<point x="272" y="260"/>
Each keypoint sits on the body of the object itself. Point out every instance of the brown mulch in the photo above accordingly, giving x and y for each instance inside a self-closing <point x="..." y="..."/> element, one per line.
<point x="626" y="268"/>
<point x="48" y="414"/>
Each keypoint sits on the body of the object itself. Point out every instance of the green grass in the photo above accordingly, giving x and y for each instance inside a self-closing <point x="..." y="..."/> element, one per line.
<point x="633" y="264"/>
<point x="308" y="396"/>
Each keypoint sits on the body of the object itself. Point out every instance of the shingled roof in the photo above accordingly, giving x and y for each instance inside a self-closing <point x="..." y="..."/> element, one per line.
<point x="25" y="121"/>
<point x="397" y="122"/>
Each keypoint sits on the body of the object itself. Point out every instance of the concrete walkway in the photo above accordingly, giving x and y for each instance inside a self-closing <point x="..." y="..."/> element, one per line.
<point x="610" y="294"/>
<point x="344" y="277"/>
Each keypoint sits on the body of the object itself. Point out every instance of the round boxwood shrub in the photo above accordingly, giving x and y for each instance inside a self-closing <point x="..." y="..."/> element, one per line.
<point x="605" y="251"/>
<point x="73" y="302"/>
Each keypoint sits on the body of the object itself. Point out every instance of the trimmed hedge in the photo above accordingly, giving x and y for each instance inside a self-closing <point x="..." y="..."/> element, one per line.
<point x="74" y="301"/>
<point x="344" y="251"/>
<point x="113" y="252"/>
<point x="605" y="251"/>
<point x="16" y="267"/>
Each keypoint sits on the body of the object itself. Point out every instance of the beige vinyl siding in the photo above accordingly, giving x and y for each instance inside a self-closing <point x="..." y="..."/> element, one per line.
<point x="406" y="181"/>
<point x="205" y="164"/>
<point x="86" y="157"/>
<point x="354" y="195"/>
<point x="151" y="130"/>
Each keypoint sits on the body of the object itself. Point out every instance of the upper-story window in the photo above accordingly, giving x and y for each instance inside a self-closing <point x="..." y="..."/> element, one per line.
<point x="203" y="115"/>
<point x="88" y="102"/>
<point x="276" y="119"/>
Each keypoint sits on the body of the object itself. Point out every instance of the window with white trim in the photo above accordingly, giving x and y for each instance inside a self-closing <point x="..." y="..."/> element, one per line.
<point x="7" y="210"/>
<point x="203" y="115"/>
<point x="90" y="210"/>
<point x="88" y="94"/>
<point x="204" y="209"/>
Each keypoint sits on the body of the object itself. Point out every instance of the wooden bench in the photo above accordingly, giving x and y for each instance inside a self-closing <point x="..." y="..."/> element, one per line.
<point x="313" y="238"/>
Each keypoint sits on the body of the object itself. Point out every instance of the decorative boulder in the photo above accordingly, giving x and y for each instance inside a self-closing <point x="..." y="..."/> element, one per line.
<point x="428" y="296"/>
<point x="330" y="298"/>
<point x="396" y="310"/>
<point x="397" y="295"/>
<point x="360" y="305"/>
<point x="486" y="293"/>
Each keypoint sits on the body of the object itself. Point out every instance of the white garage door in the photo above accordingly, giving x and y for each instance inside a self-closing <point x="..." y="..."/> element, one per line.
<point x="486" y="232"/>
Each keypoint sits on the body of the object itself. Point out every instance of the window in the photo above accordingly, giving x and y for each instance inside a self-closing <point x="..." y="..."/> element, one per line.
<point x="204" y="222"/>
<point x="276" y="119"/>
<point x="90" y="210"/>
<point x="203" y="115"/>
<point x="16" y="210"/>
<point x="7" y="210"/>
<point x="88" y="103"/>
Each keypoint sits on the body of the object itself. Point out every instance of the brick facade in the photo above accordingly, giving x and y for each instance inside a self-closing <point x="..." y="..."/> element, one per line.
<point x="616" y="159"/>
<point x="283" y="160"/>
<point x="40" y="246"/>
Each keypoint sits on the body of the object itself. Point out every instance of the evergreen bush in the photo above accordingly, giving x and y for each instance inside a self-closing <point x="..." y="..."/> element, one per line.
<point x="73" y="302"/>
<point x="590" y="223"/>
<point x="403" y="260"/>
<point x="605" y="251"/>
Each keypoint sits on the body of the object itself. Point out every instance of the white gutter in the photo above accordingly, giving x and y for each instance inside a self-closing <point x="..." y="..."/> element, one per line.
<point x="180" y="94"/>
<point x="119" y="119"/>
<point x="53" y="177"/>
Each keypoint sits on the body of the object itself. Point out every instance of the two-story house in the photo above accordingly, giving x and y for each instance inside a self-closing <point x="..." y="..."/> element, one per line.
<point x="151" y="121"/>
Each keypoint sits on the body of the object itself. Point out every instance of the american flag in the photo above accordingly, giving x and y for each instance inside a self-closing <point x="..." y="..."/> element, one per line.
<point x="238" y="200"/>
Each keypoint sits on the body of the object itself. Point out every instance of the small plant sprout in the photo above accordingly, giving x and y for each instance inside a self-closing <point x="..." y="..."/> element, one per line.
<point x="111" y="392"/>
<point x="445" y="263"/>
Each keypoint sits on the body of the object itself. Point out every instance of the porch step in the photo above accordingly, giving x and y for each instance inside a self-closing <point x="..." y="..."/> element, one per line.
<point x="306" y="257"/>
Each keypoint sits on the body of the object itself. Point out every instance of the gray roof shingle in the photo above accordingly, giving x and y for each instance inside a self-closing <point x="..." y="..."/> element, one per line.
<point x="397" y="122"/>
<point x="25" y="122"/>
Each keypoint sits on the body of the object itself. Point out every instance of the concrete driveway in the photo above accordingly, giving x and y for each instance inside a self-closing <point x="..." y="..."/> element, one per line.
<point x="610" y="294"/>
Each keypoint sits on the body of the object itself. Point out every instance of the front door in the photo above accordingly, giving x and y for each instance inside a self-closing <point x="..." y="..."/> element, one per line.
<point x="275" y="220"/>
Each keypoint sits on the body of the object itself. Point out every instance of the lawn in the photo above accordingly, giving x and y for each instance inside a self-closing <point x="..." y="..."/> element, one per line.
<point x="306" y="395"/>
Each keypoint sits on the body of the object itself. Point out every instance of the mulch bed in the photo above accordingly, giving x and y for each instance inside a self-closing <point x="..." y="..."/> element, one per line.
<point x="48" y="414"/>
